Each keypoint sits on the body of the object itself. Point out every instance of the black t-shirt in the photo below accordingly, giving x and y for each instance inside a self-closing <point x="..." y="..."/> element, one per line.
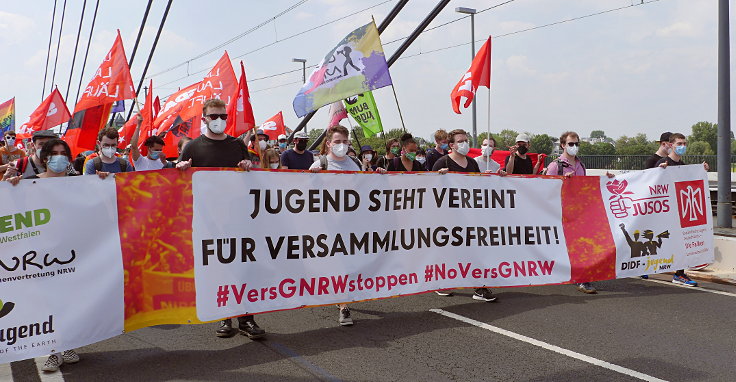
<point x="670" y="162"/>
<point x="521" y="165"/>
<point x="296" y="161"/>
<point x="448" y="163"/>
<point x="432" y="156"/>
<point x="652" y="161"/>
<point x="397" y="165"/>
<point x="206" y="152"/>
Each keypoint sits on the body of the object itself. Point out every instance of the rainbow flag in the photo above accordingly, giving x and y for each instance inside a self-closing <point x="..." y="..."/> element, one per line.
<point x="7" y="115"/>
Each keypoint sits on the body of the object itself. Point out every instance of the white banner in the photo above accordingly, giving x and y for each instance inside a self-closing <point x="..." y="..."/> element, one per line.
<point x="266" y="241"/>
<point x="61" y="275"/>
<point x="659" y="224"/>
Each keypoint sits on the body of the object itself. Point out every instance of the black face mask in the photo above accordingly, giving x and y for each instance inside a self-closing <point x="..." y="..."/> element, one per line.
<point x="523" y="150"/>
<point x="301" y="145"/>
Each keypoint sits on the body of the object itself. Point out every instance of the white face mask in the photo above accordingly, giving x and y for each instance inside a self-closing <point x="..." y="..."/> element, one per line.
<point x="217" y="126"/>
<point x="463" y="148"/>
<point x="421" y="160"/>
<point x="263" y="145"/>
<point x="487" y="150"/>
<point x="572" y="150"/>
<point x="340" y="150"/>
<point x="10" y="142"/>
<point x="368" y="157"/>
<point x="108" y="151"/>
<point x="274" y="165"/>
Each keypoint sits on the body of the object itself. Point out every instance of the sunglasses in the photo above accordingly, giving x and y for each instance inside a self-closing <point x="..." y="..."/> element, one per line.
<point x="573" y="144"/>
<point x="216" y="116"/>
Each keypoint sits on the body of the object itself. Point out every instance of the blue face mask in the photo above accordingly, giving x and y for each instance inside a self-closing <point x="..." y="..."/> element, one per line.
<point x="155" y="154"/>
<point x="58" y="163"/>
<point x="444" y="146"/>
<point x="680" y="150"/>
<point x="282" y="145"/>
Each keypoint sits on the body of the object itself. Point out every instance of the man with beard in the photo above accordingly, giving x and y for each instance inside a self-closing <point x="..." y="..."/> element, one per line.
<point x="298" y="158"/>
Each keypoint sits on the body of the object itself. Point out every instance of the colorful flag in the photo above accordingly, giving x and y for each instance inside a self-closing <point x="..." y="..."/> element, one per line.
<point x="363" y="109"/>
<point x="118" y="107"/>
<point x="111" y="82"/>
<point x="240" y="113"/>
<point x="274" y="126"/>
<point x="336" y="113"/>
<point x="356" y="65"/>
<point x="220" y="82"/>
<point x="7" y="116"/>
<point x="52" y="112"/>
<point x="479" y="74"/>
<point x="169" y="120"/>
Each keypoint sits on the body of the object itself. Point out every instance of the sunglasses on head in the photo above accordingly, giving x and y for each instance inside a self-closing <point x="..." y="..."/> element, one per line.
<point x="573" y="144"/>
<point x="216" y="116"/>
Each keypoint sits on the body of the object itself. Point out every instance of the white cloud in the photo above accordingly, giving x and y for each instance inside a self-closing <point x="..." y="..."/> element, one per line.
<point x="678" y="29"/>
<point x="14" y="28"/>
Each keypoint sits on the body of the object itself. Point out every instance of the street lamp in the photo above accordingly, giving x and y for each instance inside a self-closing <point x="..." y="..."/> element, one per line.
<point x="304" y="75"/>
<point x="471" y="12"/>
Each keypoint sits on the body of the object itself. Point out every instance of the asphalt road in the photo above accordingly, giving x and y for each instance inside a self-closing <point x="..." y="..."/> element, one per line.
<point x="632" y="330"/>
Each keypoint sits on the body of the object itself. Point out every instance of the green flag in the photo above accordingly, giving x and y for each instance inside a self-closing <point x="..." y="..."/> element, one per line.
<point x="364" y="111"/>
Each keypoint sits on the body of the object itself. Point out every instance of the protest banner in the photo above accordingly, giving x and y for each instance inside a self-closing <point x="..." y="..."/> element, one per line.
<point x="239" y="242"/>
<point x="61" y="284"/>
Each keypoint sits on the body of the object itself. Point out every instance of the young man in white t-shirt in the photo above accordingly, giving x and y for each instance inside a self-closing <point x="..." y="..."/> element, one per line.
<point x="155" y="160"/>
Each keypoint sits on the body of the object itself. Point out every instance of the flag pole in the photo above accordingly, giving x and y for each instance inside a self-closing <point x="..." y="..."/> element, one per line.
<point x="489" y="93"/>
<point x="401" y="116"/>
<point x="355" y="134"/>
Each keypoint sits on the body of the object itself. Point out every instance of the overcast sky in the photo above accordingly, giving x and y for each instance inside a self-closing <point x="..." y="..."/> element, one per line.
<point x="647" y="68"/>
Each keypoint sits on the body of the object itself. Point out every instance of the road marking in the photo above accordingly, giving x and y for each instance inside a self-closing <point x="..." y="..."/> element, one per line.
<point x="316" y="370"/>
<point x="700" y="289"/>
<point x="6" y="373"/>
<point x="47" y="377"/>
<point x="550" y="347"/>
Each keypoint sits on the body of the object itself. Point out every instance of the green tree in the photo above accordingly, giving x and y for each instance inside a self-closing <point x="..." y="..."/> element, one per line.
<point x="314" y="134"/>
<point x="586" y="149"/>
<point x="733" y="147"/>
<point x="603" y="148"/>
<point x="542" y="144"/>
<point x="638" y="145"/>
<point x="705" y="132"/>
<point x="699" y="148"/>
<point x="505" y="139"/>
<point x="597" y="134"/>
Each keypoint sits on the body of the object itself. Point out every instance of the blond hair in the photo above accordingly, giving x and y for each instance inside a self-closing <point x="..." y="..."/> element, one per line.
<point x="269" y="154"/>
<point x="212" y="102"/>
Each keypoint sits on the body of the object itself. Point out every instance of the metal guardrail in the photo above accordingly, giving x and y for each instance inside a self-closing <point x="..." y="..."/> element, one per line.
<point x="636" y="162"/>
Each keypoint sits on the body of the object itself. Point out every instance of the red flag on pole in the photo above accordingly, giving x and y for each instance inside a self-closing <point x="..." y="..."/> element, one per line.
<point x="240" y="112"/>
<point x="111" y="82"/>
<point x="52" y="112"/>
<point x="479" y="74"/>
<point x="274" y="126"/>
<point x="169" y="120"/>
<point x="220" y="82"/>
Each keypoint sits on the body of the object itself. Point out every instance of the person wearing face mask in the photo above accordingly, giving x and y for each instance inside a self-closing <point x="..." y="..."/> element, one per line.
<point x="393" y="150"/>
<point x="679" y="148"/>
<point x="663" y="151"/>
<point x="422" y="157"/>
<point x="367" y="156"/>
<point x="485" y="163"/>
<point x="216" y="149"/>
<point x="518" y="162"/>
<point x="106" y="160"/>
<point x="298" y="158"/>
<point x="55" y="156"/>
<point x="408" y="160"/>
<point x="258" y="144"/>
<point x="458" y="161"/>
<point x="270" y="160"/>
<point x="568" y="165"/>
<point x="334" y="152"/>
<point x="439" y="150"/>
<point x="155" y="160"/>
<point x="9" y="153"/>
<point x="282" y="143"/>
<point x="32" y="164"/>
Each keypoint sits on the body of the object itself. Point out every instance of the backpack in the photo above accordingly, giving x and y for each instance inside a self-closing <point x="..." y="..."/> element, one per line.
<point x="323" y="162"/>
<point x="98" y="164"/>
<point x="561" y="165"/>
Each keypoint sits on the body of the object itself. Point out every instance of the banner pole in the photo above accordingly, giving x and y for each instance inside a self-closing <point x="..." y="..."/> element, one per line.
<point x="355" y="134"/>
<point x="401" y="116"/>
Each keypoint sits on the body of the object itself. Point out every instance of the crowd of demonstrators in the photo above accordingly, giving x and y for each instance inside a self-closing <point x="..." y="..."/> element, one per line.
<point x="271" y="159"/>
<point x="282" y="142"/>
<point x="10" y="152"/>
<point x="155" y="159"/>
<point x="106" y="160"/>
<point x="393" y="149"/>
<point x="367" y="158"/>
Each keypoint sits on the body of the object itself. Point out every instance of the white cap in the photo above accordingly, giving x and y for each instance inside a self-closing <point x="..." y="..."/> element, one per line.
<point x="282" y="136"/>
<point x="522" y="138"/>
<point x="301" y="135"/>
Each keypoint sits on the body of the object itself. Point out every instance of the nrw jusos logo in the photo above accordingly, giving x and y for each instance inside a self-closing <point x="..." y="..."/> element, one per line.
<point x="622" y="202"/>
<point x="691" y="203"/>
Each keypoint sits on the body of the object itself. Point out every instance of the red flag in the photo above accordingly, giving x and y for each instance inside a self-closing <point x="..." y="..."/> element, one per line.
<point x="479" y="74"/>
<point x="240" y="113"/>
<point x="156" y="107"/>
<point x="112" y="81"/>
<point x="274" y="126"/>
<point x="126" y="132"/>
<point x="220" y="82"/>
<point x="147" y="126"/>
<point x="169" y="120"/>
<point x="52" y="112"/>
